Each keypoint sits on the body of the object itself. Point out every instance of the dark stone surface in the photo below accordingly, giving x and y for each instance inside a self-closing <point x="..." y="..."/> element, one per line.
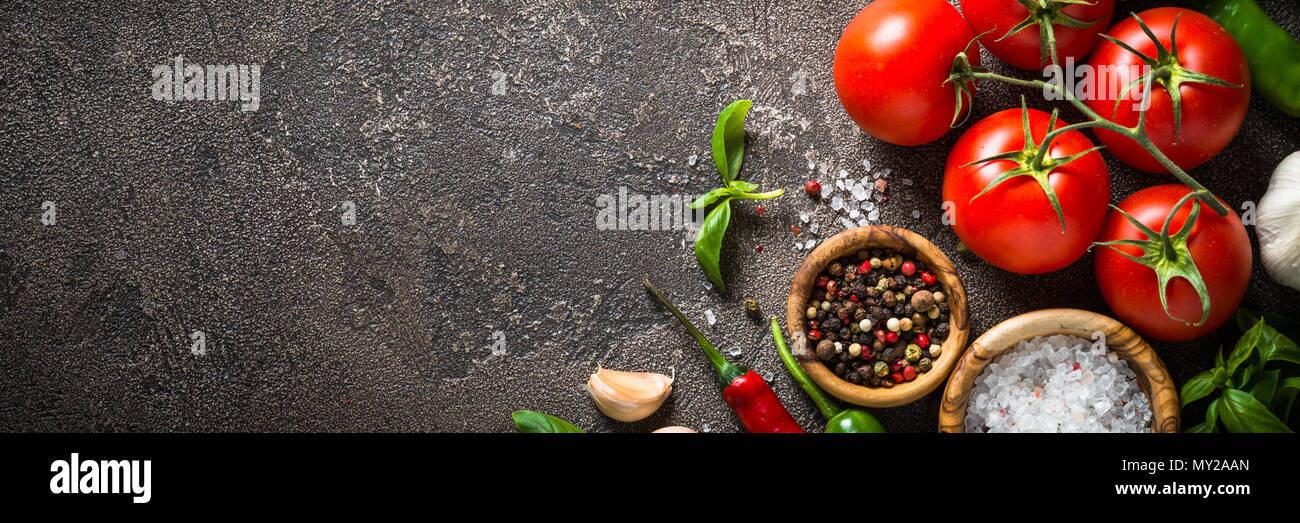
<point x="474" y="139"/>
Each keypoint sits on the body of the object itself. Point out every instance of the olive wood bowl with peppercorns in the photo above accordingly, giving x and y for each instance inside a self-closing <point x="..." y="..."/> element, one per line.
<point x="909" y="245"/>
<point x="1152" y="377"/>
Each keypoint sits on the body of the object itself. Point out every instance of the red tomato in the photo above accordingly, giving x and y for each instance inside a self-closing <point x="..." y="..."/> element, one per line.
<point x="890" y="65"/>
<point x="997" y="17"/>
<point x="1219" y="245"/>
<point x="1211" y="114"/>
<point x="1014" y="225"/>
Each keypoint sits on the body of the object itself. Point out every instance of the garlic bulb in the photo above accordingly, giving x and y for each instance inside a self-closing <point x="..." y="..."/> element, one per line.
<point x="1277" y="223"/>
<point x="675" y="429"/>
<point x="628" y="396"/>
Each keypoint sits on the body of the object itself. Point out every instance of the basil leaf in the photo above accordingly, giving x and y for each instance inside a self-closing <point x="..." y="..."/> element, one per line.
<point x="1241" y="412"/>
<point x="710" y="197"/>
<point x="1212" y="414"/>
<point x="1219" y="377"/>
<point x="1211" y="420"/>
<point x="742" y="185"/>
<point x="1273" y="346"/>
<point x="1218" y="358"/>
<point x="533" y="422"/>
<point x="1247" y="318"/>
<point x="1285" y="397"/>
<point x="1245" y="346"/>
<point x="708" y="241"/>
<point x="1265" y="386"/>
<point x="1290" y="383"/>
<point x="1198" y="387"/>
<point x="729" y="140"/>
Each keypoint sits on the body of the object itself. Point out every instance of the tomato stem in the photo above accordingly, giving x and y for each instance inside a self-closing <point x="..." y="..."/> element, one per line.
<point x="1168" y="254"/>
<point x="1137" y="133"/>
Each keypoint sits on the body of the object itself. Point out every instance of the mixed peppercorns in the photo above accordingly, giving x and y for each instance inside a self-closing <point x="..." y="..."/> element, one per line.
<point x="877" y="319"/>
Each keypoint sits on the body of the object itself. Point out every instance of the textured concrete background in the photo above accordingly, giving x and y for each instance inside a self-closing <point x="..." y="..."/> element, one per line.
<point x="474" y="138"/>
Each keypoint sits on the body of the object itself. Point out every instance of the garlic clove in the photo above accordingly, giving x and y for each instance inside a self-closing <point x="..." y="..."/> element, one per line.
<point x="628" y="396"/>
<point x="675" y="429"/>
<point x="1277" y="218"/>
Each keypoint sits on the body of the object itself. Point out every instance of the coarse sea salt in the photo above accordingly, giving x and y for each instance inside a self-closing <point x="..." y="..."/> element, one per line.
<point x="1058" y="383"/>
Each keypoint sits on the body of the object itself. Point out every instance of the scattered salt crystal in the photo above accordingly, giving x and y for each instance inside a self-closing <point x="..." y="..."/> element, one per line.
<point x="704" y="427"/>
<point x="803" y="216"/>
<point x="810" y="244"/>
<point x="837" y="203"/>
<point x="885" y="173"/>
<point x="826" y="191"/>
<point x="709" y="318"/>
<point x="844" y="173"/>
<point x="866" y="164"/>
<point x="868" y="205"/>
<point x="694" y="158"/>
<point x="768" y="377"/>
<point x="916" y="214"/>
<point x="853" y="214"/>
<point x="874" y="215"/>
<point x="708" y="286"/>
<point x="823" y="168"/>
<point x="812" y="165"/>
<point x="839" y="184"/>
<point x="813" y="228"/>
<point x="863" y="222"/>
<point x="860" y="193"/>
<point x="734" y="352"/>
<point x="846" y="222"/>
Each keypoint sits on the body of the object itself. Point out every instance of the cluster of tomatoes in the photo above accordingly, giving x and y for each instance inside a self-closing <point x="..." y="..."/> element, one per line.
<point x="893" y="68"/>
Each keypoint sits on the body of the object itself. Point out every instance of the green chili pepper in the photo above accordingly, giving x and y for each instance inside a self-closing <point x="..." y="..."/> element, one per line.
<point x="1273" y="56"/>
<point x="839" y="420"/>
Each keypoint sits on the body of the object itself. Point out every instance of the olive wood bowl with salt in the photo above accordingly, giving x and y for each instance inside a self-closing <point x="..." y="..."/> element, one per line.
<point x="909" y="245"/>
<point x="1152" y="377"/>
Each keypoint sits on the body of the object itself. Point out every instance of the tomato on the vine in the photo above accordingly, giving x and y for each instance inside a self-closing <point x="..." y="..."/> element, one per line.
<point x="1076" y="28"/>
<point x="1218" y="246"/>
<point x="891" y="63"/>
<point x="1011" y="221"/>
<point x="1204" y="59"/>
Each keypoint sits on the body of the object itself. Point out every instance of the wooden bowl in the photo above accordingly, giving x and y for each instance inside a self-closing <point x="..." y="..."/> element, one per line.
<point x="908" y="244"/>
<point x="1152" y="377"/>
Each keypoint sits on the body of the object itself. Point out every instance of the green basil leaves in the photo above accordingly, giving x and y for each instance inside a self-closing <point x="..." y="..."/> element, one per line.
<point x="728" y="154"/>
<point x="533" y="422"/>
<point x="1253" y="398"/>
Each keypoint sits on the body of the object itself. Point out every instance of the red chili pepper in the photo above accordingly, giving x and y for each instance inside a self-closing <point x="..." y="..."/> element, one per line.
<point x="744" y="390"/>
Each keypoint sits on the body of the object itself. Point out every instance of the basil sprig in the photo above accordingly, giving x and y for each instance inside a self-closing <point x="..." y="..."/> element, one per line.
<point x="533" y="422"/>
<point x="1254" y="398"/>
<point x="728" y="153"/>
